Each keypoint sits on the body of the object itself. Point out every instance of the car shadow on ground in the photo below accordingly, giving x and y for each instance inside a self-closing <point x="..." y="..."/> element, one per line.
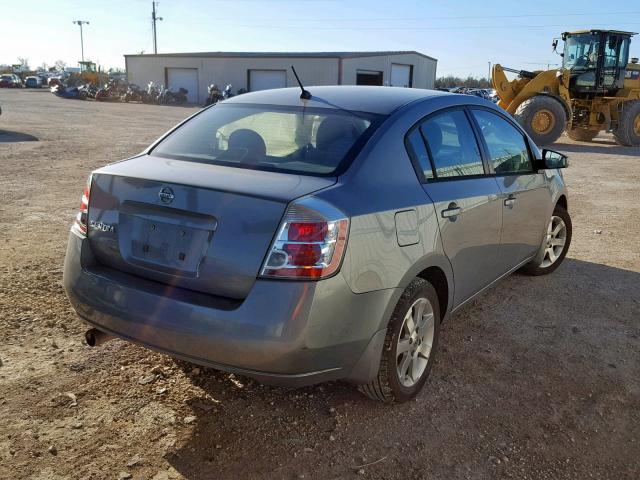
<point x="597" y="146"/>
<point x="7" y="136"/>
<point x="535" y="327"/>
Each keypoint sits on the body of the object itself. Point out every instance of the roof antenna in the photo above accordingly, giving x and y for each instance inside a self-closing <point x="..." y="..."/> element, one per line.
<point x="305" y="94"/>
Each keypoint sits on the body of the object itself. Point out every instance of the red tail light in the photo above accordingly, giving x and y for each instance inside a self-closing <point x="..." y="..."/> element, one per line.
<point x="310" y="243"/>
<point x="80" y="223"/>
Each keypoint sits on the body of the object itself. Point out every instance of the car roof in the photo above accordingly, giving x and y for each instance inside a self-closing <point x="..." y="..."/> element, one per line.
<point x="380" y="100"/>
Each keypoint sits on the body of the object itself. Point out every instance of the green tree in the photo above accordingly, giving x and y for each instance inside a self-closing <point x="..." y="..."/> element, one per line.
<point x="470" y="81"/>
<point x="60" y="65"/>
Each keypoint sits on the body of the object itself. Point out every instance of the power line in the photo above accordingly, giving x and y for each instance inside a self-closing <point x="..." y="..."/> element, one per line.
<point x="424" y="28"/>
<point x="466" y="17"/>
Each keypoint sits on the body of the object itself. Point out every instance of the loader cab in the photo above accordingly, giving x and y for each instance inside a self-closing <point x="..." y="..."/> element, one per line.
<point x="596" y="60"/>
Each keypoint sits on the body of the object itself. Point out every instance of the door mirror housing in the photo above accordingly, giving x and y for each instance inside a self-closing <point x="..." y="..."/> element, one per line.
<point x="553" y="159"/>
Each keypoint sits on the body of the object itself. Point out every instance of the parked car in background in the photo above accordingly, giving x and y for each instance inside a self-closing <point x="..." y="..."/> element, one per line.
<point x="33" y="82"/>
<point x="10" y="80"/>
<point x="299" y="241"/>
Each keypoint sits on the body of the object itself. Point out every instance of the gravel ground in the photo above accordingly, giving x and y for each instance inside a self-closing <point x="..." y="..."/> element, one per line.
<point x="538" y="379"/>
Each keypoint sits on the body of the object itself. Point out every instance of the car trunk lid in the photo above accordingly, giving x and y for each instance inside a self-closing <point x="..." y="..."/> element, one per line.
<point x="187" y="224"/>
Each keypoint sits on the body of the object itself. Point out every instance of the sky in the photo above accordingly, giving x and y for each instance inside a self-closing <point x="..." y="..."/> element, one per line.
<point x="463" y="35"/>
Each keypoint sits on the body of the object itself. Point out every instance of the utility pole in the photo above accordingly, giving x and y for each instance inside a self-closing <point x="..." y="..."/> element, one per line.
<point x="80" y="23"/>
<point x="489" y="77"/>
<point x="154" y="19"/>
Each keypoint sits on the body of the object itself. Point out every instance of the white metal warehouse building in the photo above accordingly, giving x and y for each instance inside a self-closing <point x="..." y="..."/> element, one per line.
<point x="260" y="71"/>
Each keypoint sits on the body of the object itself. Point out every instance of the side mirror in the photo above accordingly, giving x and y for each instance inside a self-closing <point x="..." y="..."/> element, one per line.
<point x="553" y="159"/>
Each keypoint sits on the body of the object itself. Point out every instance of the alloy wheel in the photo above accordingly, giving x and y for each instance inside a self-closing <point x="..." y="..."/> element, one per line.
<point x="554" y="241"/>
<point x="415" y="342"/>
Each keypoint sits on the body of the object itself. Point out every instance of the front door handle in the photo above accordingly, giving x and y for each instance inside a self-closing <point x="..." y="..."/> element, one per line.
<point x="510" y="201"/>
<point x="451" y="212"/>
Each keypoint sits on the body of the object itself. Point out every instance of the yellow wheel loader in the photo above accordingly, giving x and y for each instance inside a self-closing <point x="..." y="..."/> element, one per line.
<point x="595" y="89"/>
<point x="89" y="73"/>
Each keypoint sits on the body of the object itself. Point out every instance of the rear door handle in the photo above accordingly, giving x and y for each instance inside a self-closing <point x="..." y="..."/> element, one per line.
<point x="510" y="202"/>
<point x="451" y="212"/>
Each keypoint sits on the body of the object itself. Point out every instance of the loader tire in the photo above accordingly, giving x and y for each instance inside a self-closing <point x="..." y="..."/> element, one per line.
<point x="581" y="135"/>
<point x="627" y="133"/>
<point x="543" y="118"/>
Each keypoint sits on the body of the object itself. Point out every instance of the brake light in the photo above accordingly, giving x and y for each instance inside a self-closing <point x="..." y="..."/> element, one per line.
<point x="307" y="232"/>
<point x="80" y="223"/>
<point x="310" y="243"/>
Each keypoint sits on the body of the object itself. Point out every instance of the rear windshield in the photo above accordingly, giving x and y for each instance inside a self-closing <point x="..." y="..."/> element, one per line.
<point x="312" y="141"/>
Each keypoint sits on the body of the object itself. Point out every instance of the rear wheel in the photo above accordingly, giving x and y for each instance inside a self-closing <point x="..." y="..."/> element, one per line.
<point x="581" y="135"/>
<point x="543" y="118"/>
<point x="409" y="346"/>
<point x="555" y="244"/>
<point x="627" y="132"/>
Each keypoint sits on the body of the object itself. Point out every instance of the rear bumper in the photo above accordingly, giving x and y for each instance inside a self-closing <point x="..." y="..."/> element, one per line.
<point x="284" y="333"/>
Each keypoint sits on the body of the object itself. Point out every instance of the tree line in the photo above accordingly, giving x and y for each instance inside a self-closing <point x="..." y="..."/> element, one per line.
<point x="450" y="81"/>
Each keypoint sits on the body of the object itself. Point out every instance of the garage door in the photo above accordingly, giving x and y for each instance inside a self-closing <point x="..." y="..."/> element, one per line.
<point x="184" y="78"/>
<point x="267" y="79"/>
<point x="400" y="75"/>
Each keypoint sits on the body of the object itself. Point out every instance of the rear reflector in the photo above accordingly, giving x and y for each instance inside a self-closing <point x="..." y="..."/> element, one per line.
<point x="80" y="223"/>
<point x="310" y="243"/>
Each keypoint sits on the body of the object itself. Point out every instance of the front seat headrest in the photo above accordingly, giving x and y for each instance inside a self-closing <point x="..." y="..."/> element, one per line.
<point x="333" y="129"/>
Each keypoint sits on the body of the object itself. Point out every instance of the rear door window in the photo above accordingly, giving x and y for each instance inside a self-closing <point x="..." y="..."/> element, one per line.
<point x="452" y="145"/>
<point x="507" y="146"/>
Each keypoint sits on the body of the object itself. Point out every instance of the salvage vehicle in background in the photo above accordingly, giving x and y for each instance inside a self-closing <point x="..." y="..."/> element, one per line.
<point x="299" y="238"/>
<point x="33" y="82"/>
<point x="134" y="94"/>
<point x="76" y="93"/>
<point x="214" y="95"/>
<point x="10" y="80"/>
<point x="595" y="89"/>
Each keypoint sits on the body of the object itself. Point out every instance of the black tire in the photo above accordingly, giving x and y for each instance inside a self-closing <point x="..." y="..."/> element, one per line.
<point x="581" y="135"/>
<point x="535" y="267"/>
<point x="627" y="133"/>
<point x="552" y="108"/>
<point x="386" y="386"/>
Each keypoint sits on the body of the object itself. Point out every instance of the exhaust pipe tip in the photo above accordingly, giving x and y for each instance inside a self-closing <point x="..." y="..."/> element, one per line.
<point x="95" y="337"/>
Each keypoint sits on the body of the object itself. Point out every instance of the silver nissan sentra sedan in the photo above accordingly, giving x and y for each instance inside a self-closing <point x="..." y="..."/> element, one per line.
<point x="298" y="240"/>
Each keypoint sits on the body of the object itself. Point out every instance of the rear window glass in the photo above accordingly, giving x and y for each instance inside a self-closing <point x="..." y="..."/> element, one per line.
<point x="292" y="139"/>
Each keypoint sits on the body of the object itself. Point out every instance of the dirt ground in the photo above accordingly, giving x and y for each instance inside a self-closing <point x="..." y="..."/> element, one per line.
<point x="538" y="379"/>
